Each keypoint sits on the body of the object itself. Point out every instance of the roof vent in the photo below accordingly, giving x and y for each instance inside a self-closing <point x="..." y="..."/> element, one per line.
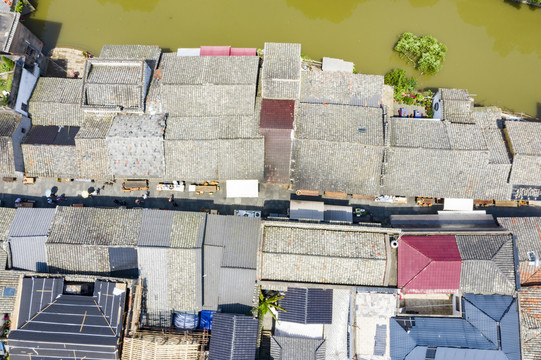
<point x="533" y="259"/>
<point x="362" y="130"/>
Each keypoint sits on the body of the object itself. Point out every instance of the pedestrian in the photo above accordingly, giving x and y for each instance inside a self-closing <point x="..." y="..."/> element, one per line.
<point x="50" y="201"/>
<point x="175" y="204"/>
<point x="171" y="199"/>
<point x="116" y="201"/>
<point x="137" y="202"/>
<point x="145" y="196"/>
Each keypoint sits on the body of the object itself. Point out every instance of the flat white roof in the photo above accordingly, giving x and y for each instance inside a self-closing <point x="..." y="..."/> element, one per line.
<point x="458" y="204"/>
<point x="242" y="188"/>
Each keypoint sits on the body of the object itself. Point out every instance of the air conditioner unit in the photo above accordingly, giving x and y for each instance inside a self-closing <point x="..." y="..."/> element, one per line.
<point x="533" y="259"/>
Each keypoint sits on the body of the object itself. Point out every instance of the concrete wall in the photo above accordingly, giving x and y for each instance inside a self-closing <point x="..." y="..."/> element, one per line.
<point x="17" y="139"/>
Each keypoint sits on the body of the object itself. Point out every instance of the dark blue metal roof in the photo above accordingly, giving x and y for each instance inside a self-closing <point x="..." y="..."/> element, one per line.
<point x="123" y="262"/>
<point x="380" y="340"/>
<point x="307" y="306"/>
<point x="509" y="329"/>
<point x="233" y="337"/>
<point x="478" y="335"/>
<point x="493" y="305"/>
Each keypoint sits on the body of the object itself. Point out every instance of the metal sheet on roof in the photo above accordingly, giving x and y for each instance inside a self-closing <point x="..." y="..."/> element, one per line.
<point x="277" y="114"/>
<point x="306" y="210"/>
<point x="307" y="306"/>
<point x="215" y="51"/>
<point x="31" y="222"/>
<point x="156" y="227"/>
<point x="212" y="258"/>
<point x="29" y="253"/>
<point x="188" y="52"/>
<point x="510" y="335"/>
<point x="123" y="262"/>
<point x="380" y="340"/>
<point x="237" y="290"/>
<point x="337" y="213"/>
<point x="243" y="52"/>
<point x="493" y="305"/>
<point x="233" y="337"/>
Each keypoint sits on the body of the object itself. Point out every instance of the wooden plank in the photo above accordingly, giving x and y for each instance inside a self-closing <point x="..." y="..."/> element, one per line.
<point x="307" y="192"/>
<point x="359" y="196"/>
<point x="336" y="194"/>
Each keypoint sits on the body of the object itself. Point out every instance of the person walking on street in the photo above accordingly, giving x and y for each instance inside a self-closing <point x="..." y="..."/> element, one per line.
<point x="138" y="202"/>
<point x="145" y="196"/>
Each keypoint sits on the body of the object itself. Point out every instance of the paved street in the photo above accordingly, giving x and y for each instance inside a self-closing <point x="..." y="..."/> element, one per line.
<point x="272" y="199"/>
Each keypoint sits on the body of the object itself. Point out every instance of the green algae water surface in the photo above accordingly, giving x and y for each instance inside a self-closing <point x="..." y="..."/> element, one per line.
<point x="494" y="47"/>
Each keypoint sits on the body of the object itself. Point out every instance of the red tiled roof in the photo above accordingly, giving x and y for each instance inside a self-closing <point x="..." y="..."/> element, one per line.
<point x="215" y="51"/>
<point x="243" y="52"/>
<point x="428" y="264"/>
<point x="277" y="114"/>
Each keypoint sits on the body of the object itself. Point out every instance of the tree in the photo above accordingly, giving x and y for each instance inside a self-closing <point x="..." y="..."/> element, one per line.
<point x="398" y="79"/>
<point x="267" y="302"/>
<point x="425" y="52"/>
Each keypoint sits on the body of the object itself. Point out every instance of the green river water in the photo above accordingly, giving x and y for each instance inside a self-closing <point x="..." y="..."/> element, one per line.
<point x="494" y="47"/>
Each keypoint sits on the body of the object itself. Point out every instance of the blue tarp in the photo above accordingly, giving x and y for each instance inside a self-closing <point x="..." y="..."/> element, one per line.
<point x="205" y="321"/>
<point x="185" y="321"/>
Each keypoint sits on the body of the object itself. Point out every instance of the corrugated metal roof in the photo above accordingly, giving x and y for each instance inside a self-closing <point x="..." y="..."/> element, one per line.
<point x="289" y="348"/>
<point x="156" y="227"/>
<point x="307" y="306"/>
<point x="487" y="326"/>
<point x="29" y="253"/>
<point x="493" y="305"/>
<point x="277" y="114"/>
<point x="380" y="340"/>
<point x="443" y="353"/>
<point x="215" y="51"/>
<point x="277" y="155"/>
<point x="237" y="290"/>
<point x="212" y="258"/>
<point x="509" y="328"/>
<point x="243" y="52"/>
<point x="123" y="262"/>
<point x="233" y="337"/>
<point x="52" y="135"/>
<point x="31" y="222"/>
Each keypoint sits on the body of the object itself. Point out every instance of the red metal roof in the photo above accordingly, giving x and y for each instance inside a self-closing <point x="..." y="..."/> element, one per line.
<point x="277" y="114"/>
<point x="428" y="264"/>
<point x="215" y="51"/>
<point x="243" y="52"/>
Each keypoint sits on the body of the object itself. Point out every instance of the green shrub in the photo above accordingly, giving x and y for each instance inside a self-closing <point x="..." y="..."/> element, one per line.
<point x="425" y="53"/>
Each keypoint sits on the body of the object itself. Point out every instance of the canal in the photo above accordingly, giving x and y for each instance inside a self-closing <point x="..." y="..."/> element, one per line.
<point x="494" y="47"/>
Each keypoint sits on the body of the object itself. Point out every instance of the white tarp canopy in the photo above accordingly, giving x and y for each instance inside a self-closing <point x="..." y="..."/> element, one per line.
<point x="242" y="188"/>
<point x="458" y="204"/>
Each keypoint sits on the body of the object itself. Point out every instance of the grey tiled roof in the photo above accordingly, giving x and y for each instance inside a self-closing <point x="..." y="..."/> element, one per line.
<point x="93" y="158"/>
<point x="341" y="88"/>
<point x="283" y="348"/>
<point x="224" y="159"/>
<point x="6" y="217"/>
<point x="530" y="322"/>
<point x="526" y="170"/>
<point x="188" y="230"/>
<point x="156" y="228"/>
<point x="524" y="137"/>
<point x="115" y="84"/>
<point x="337" y="166"/>
<point x="203" y="70"/>
<point x="497" y="147"/>
<point x="184" y="279"/>
<point x="76" y="259"/>
<point x="7" y="161"/>
<point x="443" y="173"/>
<point x="488" y="265"/>
<point x="281" y="72"/>
<point x="94" y="226"/>
<point x="209" y="128"/>
<point x="419" y="133"/>
<point x="528" y="234"/>
<point x="454" y="94"/>
<point x="458" y="111"/>
<point x="91" y="146"/>
<point x="489" y="117"/>
<point x="311" y="253"/>
<point x="9" y="120"/>
<point x="50" y="160"/>
<point x="208" y="100"/>
<point x="151" y="53"/>
<point x="339" y="123"/>
<point x="135" y="146"/>
<point x="8" y="279"/>
<point x="55" y="101"/>
<point x="466" y="137"/>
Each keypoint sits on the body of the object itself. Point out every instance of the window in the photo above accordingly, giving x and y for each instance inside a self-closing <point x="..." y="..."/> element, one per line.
<point x="9" y="291"/>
